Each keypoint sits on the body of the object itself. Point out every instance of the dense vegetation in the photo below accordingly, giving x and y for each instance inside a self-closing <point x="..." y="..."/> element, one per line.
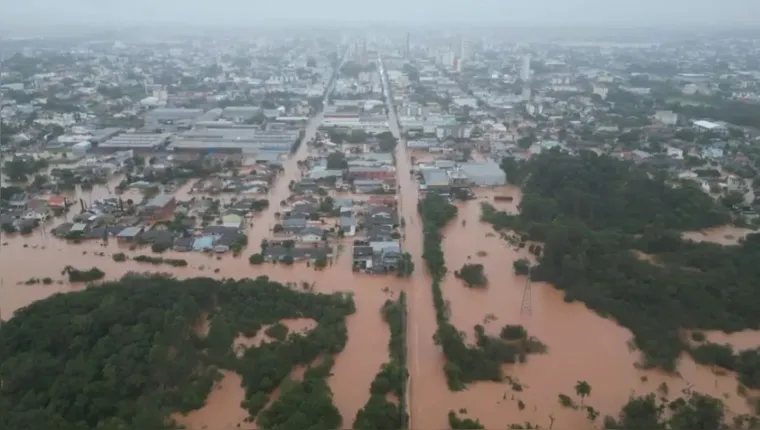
<point x="473" y="275"/>
<point x="696" y="411"/>
<point x="379" y="413"/>
<point x="175" y="262"/>
<point x="649" y="412"/>
<point x="745" y="363"/>
<point x="592" y="211"/>
<point x="463" y="423"/>
<point x="521" y="267"/>
<point x="464" y="363"/>
<point x="125" y="355"/>
<point x="76" y="275"/>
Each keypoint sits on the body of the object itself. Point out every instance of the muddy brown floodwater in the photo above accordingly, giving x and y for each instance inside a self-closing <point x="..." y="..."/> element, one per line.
<point x="41" y="255"/>
<point x="581" y="344"/>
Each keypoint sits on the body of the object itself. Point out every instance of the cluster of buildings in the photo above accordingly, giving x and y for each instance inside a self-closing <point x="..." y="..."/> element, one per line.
<point x="465" y="110"/>
<point x="99" y="98"/>
<point x="164" y="222"/>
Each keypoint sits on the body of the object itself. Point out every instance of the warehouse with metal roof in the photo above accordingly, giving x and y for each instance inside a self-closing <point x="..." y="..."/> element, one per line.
<point x="136" y="141"/>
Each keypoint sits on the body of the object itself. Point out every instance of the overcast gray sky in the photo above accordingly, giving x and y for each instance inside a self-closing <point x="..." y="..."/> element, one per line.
<point x="244" y="12"/>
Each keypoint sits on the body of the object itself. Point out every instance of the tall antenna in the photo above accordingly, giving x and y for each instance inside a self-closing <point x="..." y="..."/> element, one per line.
<point x="525" y="308"/>
<point x="2" y="152"/>
<point x="407" y="53"/>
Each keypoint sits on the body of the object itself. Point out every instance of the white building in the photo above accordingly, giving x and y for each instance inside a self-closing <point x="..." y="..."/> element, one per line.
<point x="666" y="117"/>
<point x="525" y="70"/>
<point x="601" y="91"/>
<point x="487" y="174"/>
<point x="702" y="126"/>
<point x="675" y="152"/>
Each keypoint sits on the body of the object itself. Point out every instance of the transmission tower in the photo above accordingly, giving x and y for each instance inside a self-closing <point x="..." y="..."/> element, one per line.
<point x="525" y="308"/>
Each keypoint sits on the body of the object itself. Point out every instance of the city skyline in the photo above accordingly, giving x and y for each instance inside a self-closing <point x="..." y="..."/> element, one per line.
<point x="38" y="13"/>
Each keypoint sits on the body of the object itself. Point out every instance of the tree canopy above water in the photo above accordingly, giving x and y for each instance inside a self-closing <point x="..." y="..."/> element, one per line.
<point x="125" y="355"/>
<point x="592" y="211"/>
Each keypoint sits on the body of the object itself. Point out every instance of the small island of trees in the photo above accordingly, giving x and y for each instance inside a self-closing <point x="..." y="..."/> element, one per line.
<point x="473" y="275"/>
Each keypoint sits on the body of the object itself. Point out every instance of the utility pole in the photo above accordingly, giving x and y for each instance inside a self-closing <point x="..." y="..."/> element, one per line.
<point x="2" y="152"/>
<point x="526" y="308"/>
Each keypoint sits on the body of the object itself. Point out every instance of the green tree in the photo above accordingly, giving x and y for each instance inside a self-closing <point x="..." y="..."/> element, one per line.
<point x="582" y="389"/>
<point x="336" y="160"/>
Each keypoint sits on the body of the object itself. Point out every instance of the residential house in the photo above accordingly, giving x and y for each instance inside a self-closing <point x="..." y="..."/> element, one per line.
<point x="371" y="172"/>
<point x="389" y="259"/>
<point x="382" y="215"/>
<point x="37" y="209"/>
<point x="157" y="237"/>
<point x="19" y="200"/>
<point x="369" y="186"/>
<point x="310" y="235"/>
<point x="160" y="207"/>
<point x="129" y="234"/>
<point x="347" y="225"/>
<point x="184" y="244"/>
<point x="362" y="257"/>
<point x="381" y="233"/>
<point x="293" y="225"/>
<point x="278" y="253"/>
<point x="304" y="210"/>
<point x="232" y="220"/>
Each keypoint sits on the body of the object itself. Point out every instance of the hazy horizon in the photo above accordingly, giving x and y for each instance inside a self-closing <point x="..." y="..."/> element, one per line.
<point x="562" y="13"/>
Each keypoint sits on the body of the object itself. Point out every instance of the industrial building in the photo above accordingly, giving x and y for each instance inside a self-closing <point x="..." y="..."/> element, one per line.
<point x="172" y="115"/>
<point x="435" y="180"/>
<point x="143" y="142"/>
<point x="240" y="113"/>
<point x="483" y="174"/>
<point x="235" y="140"/>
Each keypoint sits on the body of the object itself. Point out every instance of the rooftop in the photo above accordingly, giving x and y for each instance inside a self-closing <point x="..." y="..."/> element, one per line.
<point x="136" y="140"/>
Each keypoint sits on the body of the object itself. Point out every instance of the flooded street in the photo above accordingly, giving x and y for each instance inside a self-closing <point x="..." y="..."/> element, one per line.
<point x="726" y="235"/>
<point x="41" y="255"/>
<point x="581" y="344"/>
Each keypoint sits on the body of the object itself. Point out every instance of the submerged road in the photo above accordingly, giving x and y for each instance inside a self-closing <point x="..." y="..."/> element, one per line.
<point x="266" y="221"/>
<point x="420" y="326"/>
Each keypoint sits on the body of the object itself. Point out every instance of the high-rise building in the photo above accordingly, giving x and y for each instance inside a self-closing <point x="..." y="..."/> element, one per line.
<point x="525" y="70"/>
<point x="407" y="51"/>
<point x="526" y="93"/>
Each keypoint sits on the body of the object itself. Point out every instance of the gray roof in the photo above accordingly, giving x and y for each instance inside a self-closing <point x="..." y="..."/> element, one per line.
<point x="378" y="247"/>
<point x="129" y="232"/>
<point x="241" y="111"/>
<point x="294" y="222"/>
<point x="172" y="114"/>
<point x="78" y="227"/>
<point x="159" y="201"/>
<point x="312" y="230"/>
<point x="346" y="221"/>
<point x="435" y="177"/>
<point x="353" y="169"/>
<point x="367" y="183"/>
<point x="488" y="168"/>
<point x="136" y="140"/>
